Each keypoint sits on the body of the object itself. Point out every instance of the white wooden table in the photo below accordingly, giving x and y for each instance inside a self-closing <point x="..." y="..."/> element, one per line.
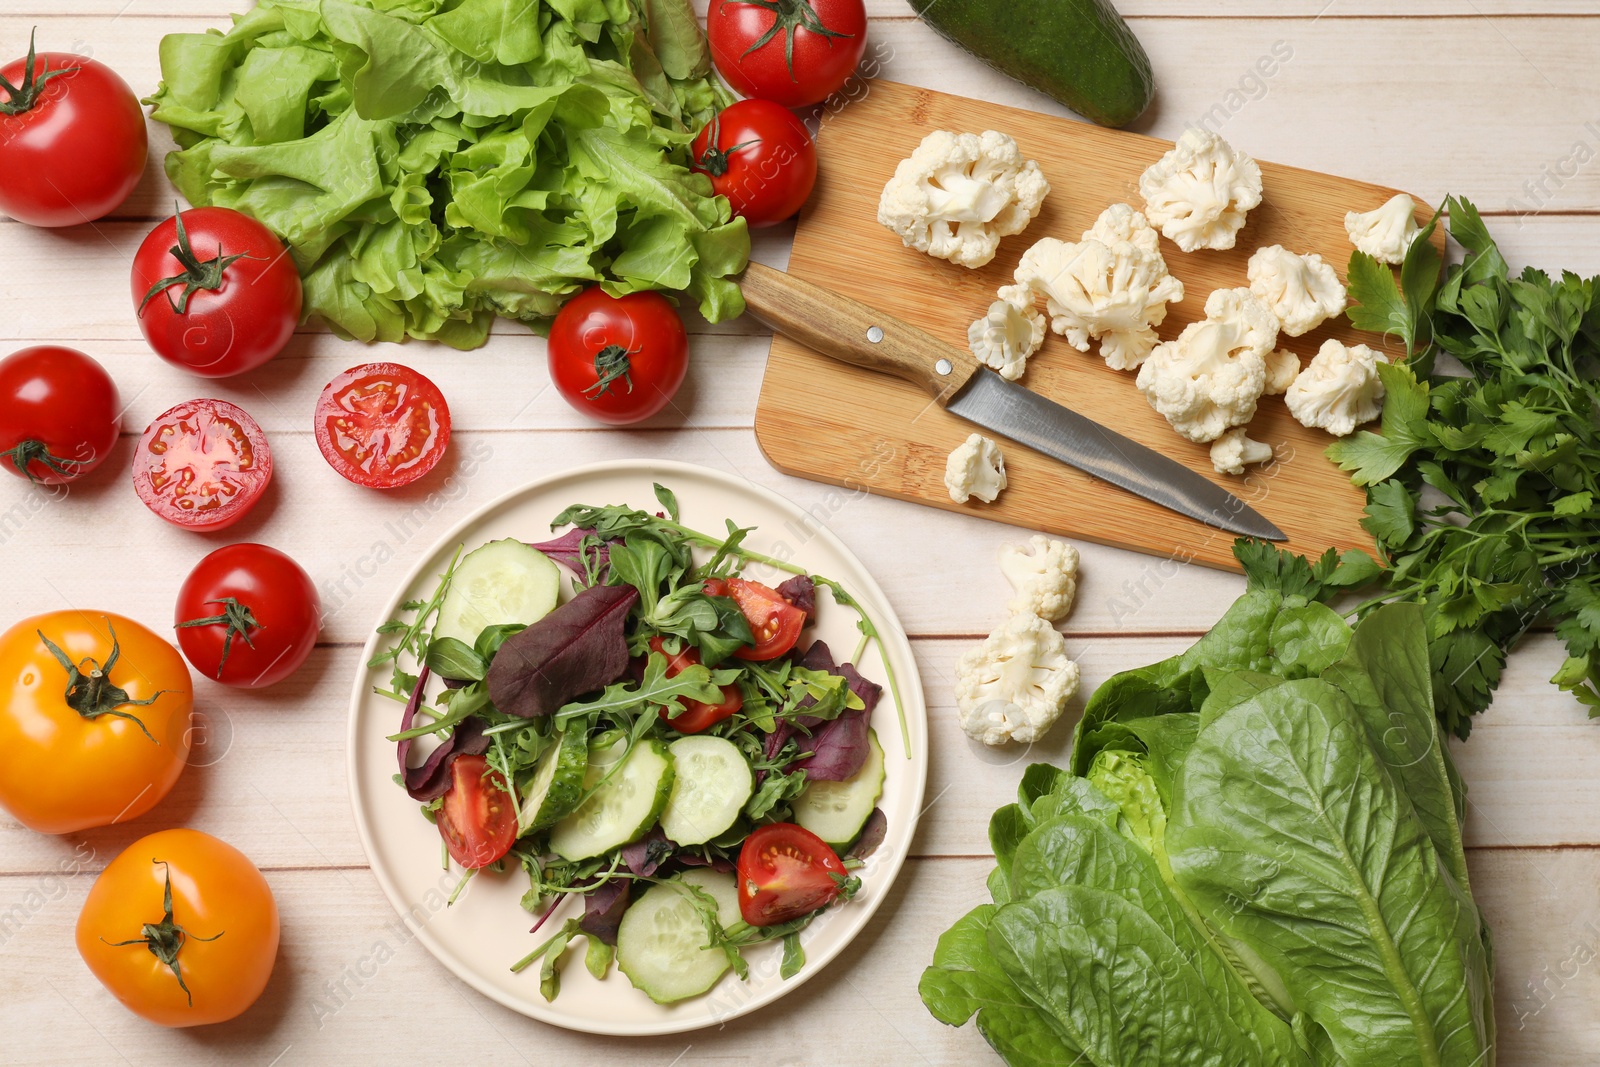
<point x="1494" y="99"/>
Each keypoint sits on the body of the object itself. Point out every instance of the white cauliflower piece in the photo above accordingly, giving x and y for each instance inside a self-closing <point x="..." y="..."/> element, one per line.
<point x="1384" y="233"/>
<point x="1120" y="222"/>
<point x="1233" y="452"/>
<point x="1282" y="368"/>
<point x="1302" y="291"/>
<point x="1339" y="389"/>
<point x="1116" y="293"/>
<point x="975" y="469"/>
<point x="1044" y="573"/>
<point x="959" y="193"/>
<point x="1014" y="686"/>
<point x="1005" y="337"/>
<point x="1200" y="192"/>
<point x="1211" y="377"/>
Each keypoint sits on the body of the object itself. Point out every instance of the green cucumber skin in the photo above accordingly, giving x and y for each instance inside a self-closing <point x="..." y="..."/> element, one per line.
<point x="1079" y="52"/>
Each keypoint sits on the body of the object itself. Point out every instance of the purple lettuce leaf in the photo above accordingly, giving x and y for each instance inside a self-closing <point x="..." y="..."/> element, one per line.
<point x="646" y="855"/>
<point x="871" y="836"/>
<point x="801" y="591"/>
<point x="431" y="779"/>
<point x="567" y="550"/>
<point x="838" y="747"/>
<point x="577" y="648"/>
<point x="603" y="909"/>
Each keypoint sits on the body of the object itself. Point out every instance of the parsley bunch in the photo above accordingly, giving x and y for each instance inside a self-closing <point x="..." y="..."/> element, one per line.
<point x="1481" y="490"/>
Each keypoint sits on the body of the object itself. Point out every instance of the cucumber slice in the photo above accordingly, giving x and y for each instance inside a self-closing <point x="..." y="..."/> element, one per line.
<point x="625" y="803"/>
<point x="663" y="944"/>
<point x="836" y="811"/>
<point x="710" y="783"/>
<point x="498" y="583"/>
<point x="557" y="783"/>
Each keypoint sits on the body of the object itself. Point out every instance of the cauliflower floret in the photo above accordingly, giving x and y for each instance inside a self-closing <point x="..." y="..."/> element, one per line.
<point x="1303" y="291"/>
<point x="1385" y="232"/>
<point x="1120" y="222"/>
<point x="975" y="469"/>
<point x="1116" y="293"/>
<point x="1339" y="389"/>
<point x="1210" y="378"/>
<point x="1199" y="193"/>
<point x="1282" y="368"/>
<point x="1005" y="337"/>
<point x="1014" y="686"/>
<point x="1233" y="452"/>
<point x="1044" y="572"/>
<point x="959" y="193"/>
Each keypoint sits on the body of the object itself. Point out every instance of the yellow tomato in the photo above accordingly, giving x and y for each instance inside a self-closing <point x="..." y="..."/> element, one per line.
<point x="181" y="928"/>
<point x="94" y="730"/>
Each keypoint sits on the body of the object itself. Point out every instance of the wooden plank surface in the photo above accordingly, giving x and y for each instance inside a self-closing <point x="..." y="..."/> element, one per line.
<point x="1449" y="102"/>
<point x="820" y="418"/>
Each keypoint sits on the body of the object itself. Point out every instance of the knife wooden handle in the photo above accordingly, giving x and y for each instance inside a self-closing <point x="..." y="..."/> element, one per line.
<point x="852" y="332"/>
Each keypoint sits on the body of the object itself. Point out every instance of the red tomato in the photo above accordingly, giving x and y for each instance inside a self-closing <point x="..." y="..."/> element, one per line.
<point x="792" y="52"/>
<point x="217" y="293"/>
<point x="774" y="621"/>
<point x="786" y="871"/>
<point x="477" y="821"/>
<point x="382" y="425"/>
<point x="202" y="465"/>
<point x="760" y="157"/>
<point x="72" y="140"/>
<point x="247" y="616"/>
<point x="59" y="414"/>
<point x="696" y="715"/>
<point x="618" y="359"/>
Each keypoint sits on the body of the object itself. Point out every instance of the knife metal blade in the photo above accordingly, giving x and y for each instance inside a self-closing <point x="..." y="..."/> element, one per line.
<point x="1043" y="425"/>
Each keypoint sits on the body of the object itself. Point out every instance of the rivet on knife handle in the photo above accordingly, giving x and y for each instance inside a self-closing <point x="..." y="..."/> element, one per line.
<point x="854" y="333"/>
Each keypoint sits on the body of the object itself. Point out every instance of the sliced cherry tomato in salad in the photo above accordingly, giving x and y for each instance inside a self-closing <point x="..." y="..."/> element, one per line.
<point x="696" y="715"/>
<point x="774" y="621"/>
<point x="760" y="157"/>
<point x="792" y="52"/>
<point x="202" y="465"/>
<point x="477" y="820"/>
<point x="248" y="616"/>
<point x="72" y="139"/>
<point x="786" y="871"/>
<point x="616" y="359"/>
<point x="216" y="292"/>
<point x="59" y="414"/>
<point x="382" y="425"/>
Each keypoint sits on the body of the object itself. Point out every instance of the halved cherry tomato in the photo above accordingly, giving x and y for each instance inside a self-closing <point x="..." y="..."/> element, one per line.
<point x="181" y="928"/>
<point x="774" y="621"/>
<point x="477" y="821"/>
<point x="382" y="425"/>
<point x="696" y="715"/>
<point x="786" y="871"/>
<point x="202" y="465"/>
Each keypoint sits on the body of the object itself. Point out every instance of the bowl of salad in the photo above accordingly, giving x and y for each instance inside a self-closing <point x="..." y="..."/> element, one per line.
<point x="637" y="748"/>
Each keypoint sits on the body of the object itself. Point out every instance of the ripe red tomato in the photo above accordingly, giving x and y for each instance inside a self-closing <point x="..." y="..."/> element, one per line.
<point x="382" y="425"/>
<point x="760" y="157"/>
<point x="247" y="616"/>
<point x="477" y="821"/>
<point x="202" y="465"/>
<point x="72" y="139"/>
<point x="792" y="52"/>
<point x="618" y="359"/>
<point x="216" y="291"/>
<point x="786" y="871"/>
<point x="59" y="414"/>
<point x="774" y="621"/>
<point x="696" y="715"/>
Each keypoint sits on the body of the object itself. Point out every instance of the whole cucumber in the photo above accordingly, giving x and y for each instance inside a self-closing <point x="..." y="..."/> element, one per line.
<point x="1078" y="51"/>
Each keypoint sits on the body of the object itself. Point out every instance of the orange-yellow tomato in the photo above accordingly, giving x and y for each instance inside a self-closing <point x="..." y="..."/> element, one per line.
<point x="99" y="738"/>
<point x="200" y="955"/>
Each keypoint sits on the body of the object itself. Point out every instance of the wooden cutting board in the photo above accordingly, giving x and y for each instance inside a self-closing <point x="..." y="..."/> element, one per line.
<point x="824" y="420"/>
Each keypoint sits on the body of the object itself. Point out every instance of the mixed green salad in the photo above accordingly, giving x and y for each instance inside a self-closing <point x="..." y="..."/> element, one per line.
<point x="663" y="744"/>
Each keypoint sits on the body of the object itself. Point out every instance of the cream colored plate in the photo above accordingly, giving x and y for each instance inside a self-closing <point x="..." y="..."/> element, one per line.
<point x="486" y="930"/>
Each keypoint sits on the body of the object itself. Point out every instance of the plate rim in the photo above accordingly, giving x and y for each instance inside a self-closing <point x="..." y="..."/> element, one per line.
<point x="913" y="704"/>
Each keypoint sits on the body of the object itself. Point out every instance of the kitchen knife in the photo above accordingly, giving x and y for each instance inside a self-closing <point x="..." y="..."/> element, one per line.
<point x="852" y="332"/>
